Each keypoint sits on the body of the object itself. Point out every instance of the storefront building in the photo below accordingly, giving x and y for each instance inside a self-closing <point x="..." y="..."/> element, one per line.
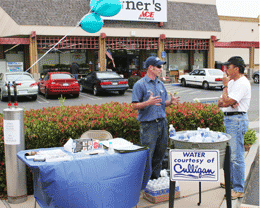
<point x="182" y="32"/>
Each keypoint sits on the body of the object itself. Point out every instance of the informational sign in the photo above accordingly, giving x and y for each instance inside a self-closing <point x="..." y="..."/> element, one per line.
<point x="15" y="66"/>
<point x="142" y="10"/>
<point x="194" y="165"/>
<point x="12" y="132"/>
<point x="163" y="54"/>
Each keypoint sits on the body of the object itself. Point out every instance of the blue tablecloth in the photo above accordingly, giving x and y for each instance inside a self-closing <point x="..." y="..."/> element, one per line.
<point x="99" y="181"/>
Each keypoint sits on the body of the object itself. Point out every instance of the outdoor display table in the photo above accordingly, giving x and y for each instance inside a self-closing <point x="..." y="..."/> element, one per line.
<point x="98" y="181"/>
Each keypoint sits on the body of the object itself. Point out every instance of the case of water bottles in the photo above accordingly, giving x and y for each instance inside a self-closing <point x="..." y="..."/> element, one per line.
<point x="157" y="190"/>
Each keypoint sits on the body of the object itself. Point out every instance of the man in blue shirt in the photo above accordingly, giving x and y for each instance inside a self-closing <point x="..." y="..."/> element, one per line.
<point x="150" y="98"/>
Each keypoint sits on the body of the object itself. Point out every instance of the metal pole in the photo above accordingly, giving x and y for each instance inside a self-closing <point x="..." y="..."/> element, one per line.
<point x="172" y="186"/>
<point x="199" y="194"/>
<point x="227" y="176"/>
<point x="14" y="142"/>
<point x="9" y="92"/>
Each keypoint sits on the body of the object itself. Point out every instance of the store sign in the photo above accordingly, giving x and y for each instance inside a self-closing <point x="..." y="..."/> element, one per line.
<point x="15" y="66"/>
<point x="142" y="10"/>
<point x="194" y="165"/>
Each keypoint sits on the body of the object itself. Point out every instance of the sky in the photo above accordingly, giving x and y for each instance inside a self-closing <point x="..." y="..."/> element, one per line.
<point x="238" y="8"/>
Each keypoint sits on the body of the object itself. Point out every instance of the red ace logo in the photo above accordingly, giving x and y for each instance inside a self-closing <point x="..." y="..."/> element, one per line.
<point x="147" y="14"/>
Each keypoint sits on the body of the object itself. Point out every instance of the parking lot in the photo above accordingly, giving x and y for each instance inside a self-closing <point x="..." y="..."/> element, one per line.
<point x="187" y="94"/>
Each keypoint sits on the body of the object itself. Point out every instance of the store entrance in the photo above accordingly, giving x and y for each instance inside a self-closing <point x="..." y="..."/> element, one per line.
<point x="127" y="62"/>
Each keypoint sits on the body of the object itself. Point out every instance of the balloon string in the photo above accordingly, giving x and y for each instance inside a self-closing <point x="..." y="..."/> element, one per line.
<point x="54" y="45"/>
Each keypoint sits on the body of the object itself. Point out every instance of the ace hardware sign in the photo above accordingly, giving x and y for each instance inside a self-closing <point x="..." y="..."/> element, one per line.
<point x="142" y="10"/>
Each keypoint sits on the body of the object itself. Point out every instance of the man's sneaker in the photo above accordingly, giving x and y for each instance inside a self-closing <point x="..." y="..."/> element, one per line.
<point x="235" y="195"/>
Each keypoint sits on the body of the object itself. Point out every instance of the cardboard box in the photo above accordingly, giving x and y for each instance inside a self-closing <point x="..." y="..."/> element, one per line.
<point x="160" y="198"/>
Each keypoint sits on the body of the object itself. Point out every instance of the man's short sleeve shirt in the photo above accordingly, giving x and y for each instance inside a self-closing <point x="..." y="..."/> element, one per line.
<point x="240" y="91"/>
<point x="142" y="92"/>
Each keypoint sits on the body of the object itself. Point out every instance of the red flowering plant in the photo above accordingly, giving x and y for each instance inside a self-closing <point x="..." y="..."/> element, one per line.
<point x="52" y="127"/>
<point x="189" y="116"/>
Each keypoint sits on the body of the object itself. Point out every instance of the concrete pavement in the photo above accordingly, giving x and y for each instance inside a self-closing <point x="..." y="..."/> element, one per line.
<point x="212" y="195"/>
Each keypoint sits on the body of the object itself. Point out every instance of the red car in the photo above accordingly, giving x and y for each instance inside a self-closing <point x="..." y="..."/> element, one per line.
<point x="56" y="83"/>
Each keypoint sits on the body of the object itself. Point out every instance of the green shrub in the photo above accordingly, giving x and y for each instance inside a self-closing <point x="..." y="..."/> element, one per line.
<point x="132" y="80"/>
<point x="53" y="126"/>
<point x="250" y="137"/>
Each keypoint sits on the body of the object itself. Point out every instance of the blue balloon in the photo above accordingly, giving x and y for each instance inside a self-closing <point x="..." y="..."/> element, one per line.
<point x="106" y="8"/>
<point x="91" y="23"/>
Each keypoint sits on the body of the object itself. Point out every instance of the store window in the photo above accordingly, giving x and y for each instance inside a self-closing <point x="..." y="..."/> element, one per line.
<point x="178" y="60"/>
<point x="200" y="60"/>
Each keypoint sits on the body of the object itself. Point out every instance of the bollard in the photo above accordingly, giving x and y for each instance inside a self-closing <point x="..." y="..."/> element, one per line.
<point x="14" y="142"/>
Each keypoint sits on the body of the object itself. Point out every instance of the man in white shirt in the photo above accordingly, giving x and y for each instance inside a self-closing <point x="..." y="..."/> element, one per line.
<point x="235" y="102"/>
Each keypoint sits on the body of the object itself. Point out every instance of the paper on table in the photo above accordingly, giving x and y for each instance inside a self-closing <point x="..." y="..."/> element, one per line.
<point x="117" y="143"/>
<point x="131" y="147"/>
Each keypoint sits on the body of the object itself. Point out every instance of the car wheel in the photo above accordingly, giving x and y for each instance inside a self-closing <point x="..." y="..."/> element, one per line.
<point x="205" y="85"/>
<point x="183" y="82"/>
<point x="34" y="97"/>
<point x="256" y="79"/>
<point x="121" y="92"/>
<point x="46" y="94"/>
<point x="95" y="91"/>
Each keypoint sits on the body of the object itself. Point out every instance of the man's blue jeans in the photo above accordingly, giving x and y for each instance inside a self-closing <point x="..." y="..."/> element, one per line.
<point x="236" y="126"/>
<point x="155" y="136"/>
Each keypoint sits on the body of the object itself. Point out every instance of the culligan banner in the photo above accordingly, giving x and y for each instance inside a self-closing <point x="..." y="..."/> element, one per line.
<point x="142" y="10"/>
<point x="194" y="165"/>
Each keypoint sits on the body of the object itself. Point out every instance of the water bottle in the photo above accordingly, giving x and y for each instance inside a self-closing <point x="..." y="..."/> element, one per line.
<point x="172" y="132"/>
<point x="101" y="150"/>
<point x="111" y="149"/>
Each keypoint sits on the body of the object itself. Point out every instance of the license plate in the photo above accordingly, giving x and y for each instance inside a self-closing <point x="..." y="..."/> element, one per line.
<point x="22" y="92"/>
<point x="114" y="83"/>
<point x="65" y="84"/>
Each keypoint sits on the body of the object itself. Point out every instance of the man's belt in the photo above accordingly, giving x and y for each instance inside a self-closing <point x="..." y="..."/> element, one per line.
<point x="234" y="113"/>
<point x="153" y="121"/>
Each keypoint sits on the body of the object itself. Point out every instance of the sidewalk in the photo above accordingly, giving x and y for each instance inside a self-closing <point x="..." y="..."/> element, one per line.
<point x="212" y="195"/>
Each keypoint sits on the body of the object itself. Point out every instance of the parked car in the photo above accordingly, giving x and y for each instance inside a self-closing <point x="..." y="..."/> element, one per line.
<point x="99" y="81"/>
<point x="59" y="83"/>
<point x="203" y="77"/>
<point x="26" y="85"/>
<point x="255" y="77"/>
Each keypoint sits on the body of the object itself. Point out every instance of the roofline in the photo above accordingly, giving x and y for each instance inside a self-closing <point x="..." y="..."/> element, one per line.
<point x="239" y="19"/>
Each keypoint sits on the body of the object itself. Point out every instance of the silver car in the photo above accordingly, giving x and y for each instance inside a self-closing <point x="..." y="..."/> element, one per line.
<point x="26" y="85"/>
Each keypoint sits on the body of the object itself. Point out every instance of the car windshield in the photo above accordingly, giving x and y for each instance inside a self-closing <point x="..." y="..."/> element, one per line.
<point x="107" y="75"/>
<point x="215" y="72"/>
<point x="61" y="76"/>
<point x="18" y="77"/>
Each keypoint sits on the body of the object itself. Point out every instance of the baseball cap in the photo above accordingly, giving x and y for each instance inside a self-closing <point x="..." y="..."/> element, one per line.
<point x="235" y="60"/>
<point x="154" y="61"/>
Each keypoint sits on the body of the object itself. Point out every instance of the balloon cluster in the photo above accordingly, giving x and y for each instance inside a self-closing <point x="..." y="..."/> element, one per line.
<point x="92" y="22"/>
